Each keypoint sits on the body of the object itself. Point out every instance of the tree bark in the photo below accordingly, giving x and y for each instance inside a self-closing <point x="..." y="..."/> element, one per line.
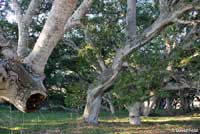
<point x="24" y="22"/>
<point x="95" y="91"/>
<point x="19" y="87"/>
<point x="26" y="91"/>
<point x="92" y="109"/>
<point x="52" y="32"/>
<point x="134" y="113"/>
<point x="148" y="105"/>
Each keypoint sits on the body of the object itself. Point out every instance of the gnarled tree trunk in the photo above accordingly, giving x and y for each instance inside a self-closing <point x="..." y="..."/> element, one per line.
<point x="20" y="87"/>
<point x="95" y="92"/>
<point x="92" y="109"/>
<point x="21" y="74"/>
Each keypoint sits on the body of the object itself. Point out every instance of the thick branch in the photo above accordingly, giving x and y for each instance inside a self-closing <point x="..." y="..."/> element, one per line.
<point x="78" y="14"/>
<point x="131" y="29"/>
<point x="156" y="27"/>
<point x="24" y="22"/>
<point x="164" y="6"/>
<point x="131" y="19"/>
<point x="32" y="10"/>
<point x="19" y="87"/>
<point x="108" y="81"/>
<point x="52" y="31"/>
<point x="17" y="10"/>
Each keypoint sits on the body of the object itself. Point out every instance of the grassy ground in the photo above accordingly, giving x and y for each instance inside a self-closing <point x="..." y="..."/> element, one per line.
<point x="69" y="123"/>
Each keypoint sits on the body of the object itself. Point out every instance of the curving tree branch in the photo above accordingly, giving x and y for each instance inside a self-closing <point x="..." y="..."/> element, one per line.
<point x="60" y="19"/>
<point x="51" y="33"/>
<point x="152" y="31"/>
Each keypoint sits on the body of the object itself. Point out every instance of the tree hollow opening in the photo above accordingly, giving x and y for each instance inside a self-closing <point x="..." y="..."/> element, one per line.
<point x="34" y="102"/>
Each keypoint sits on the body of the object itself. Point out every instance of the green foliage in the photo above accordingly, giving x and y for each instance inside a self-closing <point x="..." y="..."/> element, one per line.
<point x="75" y="96"/>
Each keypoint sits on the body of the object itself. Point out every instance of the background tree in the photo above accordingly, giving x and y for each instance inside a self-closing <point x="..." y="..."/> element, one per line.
<point x="169" y="12"/>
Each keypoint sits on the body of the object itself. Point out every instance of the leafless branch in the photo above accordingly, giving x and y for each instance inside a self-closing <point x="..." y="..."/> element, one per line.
<point x="107" y="97"/>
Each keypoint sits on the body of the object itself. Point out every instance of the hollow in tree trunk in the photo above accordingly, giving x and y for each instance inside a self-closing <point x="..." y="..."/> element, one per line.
<point x="19" y="87"/>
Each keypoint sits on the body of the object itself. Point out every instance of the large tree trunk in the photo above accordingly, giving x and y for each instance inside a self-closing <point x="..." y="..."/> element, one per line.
<point x="134" y="113"/>
<point x="19" y="87"/>
<point x="95" y="91"/>
<point x="185" y="105"/>
<point x="21" y="81"/>
<point x="92" y="109"/>
<point x="148" y="105"/>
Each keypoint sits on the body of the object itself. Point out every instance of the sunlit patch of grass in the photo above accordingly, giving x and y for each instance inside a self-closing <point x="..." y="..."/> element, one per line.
<point x="17" y="128"/>
<point x="165" y="119"/>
